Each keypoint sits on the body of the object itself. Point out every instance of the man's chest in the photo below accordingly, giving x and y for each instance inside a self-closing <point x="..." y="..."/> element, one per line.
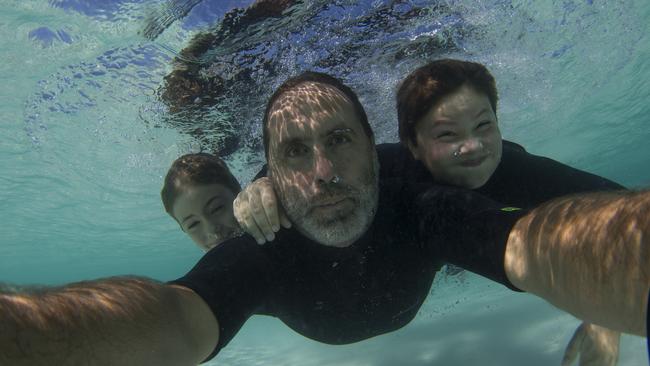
<point x="344" y="299"/>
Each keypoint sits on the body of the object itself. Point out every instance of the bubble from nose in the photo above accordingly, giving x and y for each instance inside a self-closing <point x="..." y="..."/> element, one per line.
<point x="212" y="230"/>
<point x="469" y="146"/>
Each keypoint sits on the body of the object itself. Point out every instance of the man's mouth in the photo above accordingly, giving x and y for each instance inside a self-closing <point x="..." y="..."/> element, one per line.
<point x="330" y="201"/>
<point x="331" y="204"/>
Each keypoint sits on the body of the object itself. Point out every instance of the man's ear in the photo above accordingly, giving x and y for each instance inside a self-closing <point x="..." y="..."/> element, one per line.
<point x="413" y="149"/>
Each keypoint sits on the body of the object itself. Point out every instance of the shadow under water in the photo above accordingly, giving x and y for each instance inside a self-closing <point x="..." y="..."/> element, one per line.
<point x="222" y="78"/>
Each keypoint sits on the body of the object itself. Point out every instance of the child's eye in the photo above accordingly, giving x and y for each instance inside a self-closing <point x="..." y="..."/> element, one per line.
<point x="446" y="134"/>
<point x="483" y="125"/>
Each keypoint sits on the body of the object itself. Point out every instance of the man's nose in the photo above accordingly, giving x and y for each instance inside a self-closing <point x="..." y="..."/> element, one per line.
<point x="323" y="167"/>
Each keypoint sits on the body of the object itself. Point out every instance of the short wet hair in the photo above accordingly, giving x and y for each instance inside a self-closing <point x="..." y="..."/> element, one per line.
<point x="425" y="86"/>
<point x="195" y="169"/>
<point x="319" y="78"/>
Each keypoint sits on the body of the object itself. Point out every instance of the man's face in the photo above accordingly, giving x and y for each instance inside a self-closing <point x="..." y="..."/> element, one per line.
<point x="322" y="164"/>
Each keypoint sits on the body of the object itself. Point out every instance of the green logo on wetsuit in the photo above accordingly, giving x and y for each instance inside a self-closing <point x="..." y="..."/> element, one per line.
<point x="510" y="209"/>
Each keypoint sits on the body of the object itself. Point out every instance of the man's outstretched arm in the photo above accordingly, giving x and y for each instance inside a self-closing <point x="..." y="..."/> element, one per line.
<point x="116" y="321"/>
<point x="588" y="255"/>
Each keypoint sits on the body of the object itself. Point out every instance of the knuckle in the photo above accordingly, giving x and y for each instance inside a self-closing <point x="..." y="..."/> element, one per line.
<point x="257" y="210"/>
<point x="268" y="201"/>
<point x="245" y="220"/>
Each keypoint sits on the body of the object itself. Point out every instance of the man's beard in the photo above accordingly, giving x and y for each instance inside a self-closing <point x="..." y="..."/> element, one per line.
<point x="342" y="226"/>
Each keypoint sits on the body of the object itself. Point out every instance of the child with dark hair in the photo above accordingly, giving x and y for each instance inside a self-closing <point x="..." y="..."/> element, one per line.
<point x="198" y="193"/>
<point x="447" y="114"/>
<point x="449" y="134"/>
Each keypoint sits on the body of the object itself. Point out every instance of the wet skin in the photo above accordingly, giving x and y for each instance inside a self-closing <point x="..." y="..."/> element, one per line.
<point x="458" y="139"/>
<point x="205" y="214"/>
<point x="322" y="164"/>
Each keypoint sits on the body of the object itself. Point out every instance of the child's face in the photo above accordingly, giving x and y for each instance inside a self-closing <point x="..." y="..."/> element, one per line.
<point x="205" y="214"/>
<point x="459" y="139"/>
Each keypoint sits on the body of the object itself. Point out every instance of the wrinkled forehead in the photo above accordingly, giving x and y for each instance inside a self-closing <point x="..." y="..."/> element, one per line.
<point x="309" y="108"/>
<point x="307" y="98"/>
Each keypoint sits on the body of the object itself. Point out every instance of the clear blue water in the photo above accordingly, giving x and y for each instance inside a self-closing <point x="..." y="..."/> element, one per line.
<point x="85" y="142"/>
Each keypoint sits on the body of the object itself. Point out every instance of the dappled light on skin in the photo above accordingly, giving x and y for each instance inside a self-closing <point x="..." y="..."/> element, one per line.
<point x="594" y="345"/>
<point x="322" y="164"/>
<point x="532" y="265"/>
<point x="55" y="314"/>
<point x="205" y="213"/>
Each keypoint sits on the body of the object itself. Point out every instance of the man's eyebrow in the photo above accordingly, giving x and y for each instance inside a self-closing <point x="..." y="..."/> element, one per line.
<point x="290" y="141"/>
<point x="340" y="130"/>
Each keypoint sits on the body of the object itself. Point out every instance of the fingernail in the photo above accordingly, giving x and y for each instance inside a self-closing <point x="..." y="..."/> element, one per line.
<point x="260" y="241"/>
<point x="270" y="237"/>
<point x="276" y="228"/>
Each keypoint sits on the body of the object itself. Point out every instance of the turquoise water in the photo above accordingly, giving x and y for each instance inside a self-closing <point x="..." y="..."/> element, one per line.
<point x="85" y="142"/>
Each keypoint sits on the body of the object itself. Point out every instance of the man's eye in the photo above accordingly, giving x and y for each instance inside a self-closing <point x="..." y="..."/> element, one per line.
<point x="339" y="139"/>
<point x="216" y="209"/>
<point x="192" y="225"/>
<point x="296" y="151"/>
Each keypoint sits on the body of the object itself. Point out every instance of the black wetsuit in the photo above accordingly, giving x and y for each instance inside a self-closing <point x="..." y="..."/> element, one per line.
<point x="374" y="286"/>
<point x="377" y="285"/>
<point x="520" y="180"/>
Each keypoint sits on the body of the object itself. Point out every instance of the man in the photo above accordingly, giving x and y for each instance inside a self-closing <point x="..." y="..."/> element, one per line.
<point x="330" y="278"/>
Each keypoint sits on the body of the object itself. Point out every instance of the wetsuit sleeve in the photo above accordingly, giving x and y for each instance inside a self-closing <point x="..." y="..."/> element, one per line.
<point x="235" y="280"/>
<point x="569" y="180"/>
<point x="464" y="228"/>
<point x="529" y="180"/>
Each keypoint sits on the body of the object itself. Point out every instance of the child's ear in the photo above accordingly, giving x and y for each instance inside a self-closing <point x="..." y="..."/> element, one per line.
<point x="413" y="149"/>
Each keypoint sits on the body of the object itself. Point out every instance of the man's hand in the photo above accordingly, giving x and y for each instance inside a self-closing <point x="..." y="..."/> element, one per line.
<point x="597" y="346"/>
<point x="257" y="210"/>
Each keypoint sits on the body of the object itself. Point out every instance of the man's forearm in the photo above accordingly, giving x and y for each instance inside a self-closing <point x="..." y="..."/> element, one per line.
<point x="118" y="321"/>
<point x="588" y="255"/>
